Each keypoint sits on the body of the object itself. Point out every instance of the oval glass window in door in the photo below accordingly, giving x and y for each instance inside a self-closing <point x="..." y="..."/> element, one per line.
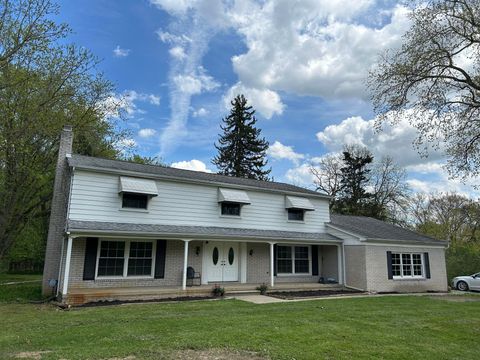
<point x="230" y="256"/>
<point x="215" y="256"/>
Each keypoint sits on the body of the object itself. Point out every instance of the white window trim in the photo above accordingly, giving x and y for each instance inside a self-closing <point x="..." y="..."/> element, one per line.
<point x="125" y="260"/>
<point x="408" y="277"/>
<point x="296" y="221"/>
<point x="293" y="273"/>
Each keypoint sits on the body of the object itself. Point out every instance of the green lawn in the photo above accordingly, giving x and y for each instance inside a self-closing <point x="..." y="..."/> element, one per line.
<point x="363" y="328"/>
<point x="28" y="287"/>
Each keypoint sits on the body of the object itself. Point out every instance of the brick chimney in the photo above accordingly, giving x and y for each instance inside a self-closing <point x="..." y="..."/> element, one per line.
<point x="58" y="213"/>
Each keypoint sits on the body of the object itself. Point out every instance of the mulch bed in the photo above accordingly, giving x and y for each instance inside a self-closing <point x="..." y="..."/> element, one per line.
<point x="289" y="295"/>
<point x="121" y="302"/>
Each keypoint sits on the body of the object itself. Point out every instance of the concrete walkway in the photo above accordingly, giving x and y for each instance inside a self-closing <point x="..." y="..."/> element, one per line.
<point x="264" y="299"/>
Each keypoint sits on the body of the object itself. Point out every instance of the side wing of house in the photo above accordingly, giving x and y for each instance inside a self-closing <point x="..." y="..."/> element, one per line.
<point x="381" y="257"/>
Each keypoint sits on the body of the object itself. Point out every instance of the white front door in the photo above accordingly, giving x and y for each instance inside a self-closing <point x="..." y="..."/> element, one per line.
<point x="222" y="261"/>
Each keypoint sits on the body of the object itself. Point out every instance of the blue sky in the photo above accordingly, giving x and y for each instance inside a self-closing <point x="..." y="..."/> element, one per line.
<point x="177" y="63"/>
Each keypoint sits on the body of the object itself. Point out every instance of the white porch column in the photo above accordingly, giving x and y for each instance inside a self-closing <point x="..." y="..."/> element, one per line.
<point x="243" y="262"/>
<point x="66" y="273"/>
<point x="272" y="265"/>
<point x="340" y="264"/>
<point x="185" y="264"/>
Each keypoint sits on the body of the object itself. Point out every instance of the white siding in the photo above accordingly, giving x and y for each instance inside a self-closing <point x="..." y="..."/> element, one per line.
<point x="347" y="238"/>
<point x="95" y="198"/>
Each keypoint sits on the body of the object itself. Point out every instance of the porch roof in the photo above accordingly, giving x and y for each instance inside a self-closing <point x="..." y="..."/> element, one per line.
<point x="198" y="232"/>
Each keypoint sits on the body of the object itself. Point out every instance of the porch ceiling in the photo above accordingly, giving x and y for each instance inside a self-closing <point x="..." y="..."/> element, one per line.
<point x="197" y="232"/>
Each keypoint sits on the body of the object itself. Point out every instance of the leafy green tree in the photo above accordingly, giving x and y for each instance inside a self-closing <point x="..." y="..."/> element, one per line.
<point x="241" y="151"/>
<point x="45" y="83"/>
<point x="433" y="80"/>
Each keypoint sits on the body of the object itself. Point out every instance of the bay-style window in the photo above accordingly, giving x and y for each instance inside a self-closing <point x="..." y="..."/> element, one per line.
<point x="407" y="265"/>
<point x="293" y="259"/>
<point x="125" y="258"/>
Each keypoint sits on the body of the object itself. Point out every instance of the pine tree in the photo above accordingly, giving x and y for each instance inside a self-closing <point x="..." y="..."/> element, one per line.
<point x="354" y="198"/>
<point x="241" y="151"/>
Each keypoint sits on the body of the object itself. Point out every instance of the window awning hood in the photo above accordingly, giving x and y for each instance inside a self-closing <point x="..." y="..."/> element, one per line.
<point x="294" y="202"/>
<point x="137" y="186"/>
<point x="234" y="196"/>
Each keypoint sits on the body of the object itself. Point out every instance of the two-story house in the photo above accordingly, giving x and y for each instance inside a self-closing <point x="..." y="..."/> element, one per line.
<point x="121" y="230"/>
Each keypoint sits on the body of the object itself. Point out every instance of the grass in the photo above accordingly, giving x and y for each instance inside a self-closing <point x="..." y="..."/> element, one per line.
<point x="27" y="289"/>
<point x="361" y="328"/>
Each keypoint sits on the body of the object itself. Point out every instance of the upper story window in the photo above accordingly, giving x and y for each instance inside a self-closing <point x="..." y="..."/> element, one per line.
<point x="231" y="209"/>
<point x="231" y="201"/>
<point x="296" y="214"/>
<point x="136" y="192"/>
<point x="134" y="201"/>
<point x="296" y="208"/>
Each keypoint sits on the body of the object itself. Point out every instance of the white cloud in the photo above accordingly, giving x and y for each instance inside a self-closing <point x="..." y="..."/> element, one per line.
<point x="195" y="165"/>
<point x="146" y="133"/>
<point x="154" y="99"/>
<point x="200" y="112"/>
<point x="169" y="38"/>
<point x="395" y="141"/>
<point x="187" y="76"/>
<point x="177" y="52"/>
<point x="174" y="7"/>
<point x="266" y="102"/>
<point x="194" y="83"/>
<point x="425" y="174"/>
<point x="119" y="52"/>
<point x="280" y="151"/>
<point x="300" y="176"/>
<point x="126" y="145"/>
<point x="126" y="103"/>
<point x="316" y="47"/>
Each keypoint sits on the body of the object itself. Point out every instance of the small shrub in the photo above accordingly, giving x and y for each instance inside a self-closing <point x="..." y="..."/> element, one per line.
<point x="218" y="291"/>
<point x="262" y="288"/>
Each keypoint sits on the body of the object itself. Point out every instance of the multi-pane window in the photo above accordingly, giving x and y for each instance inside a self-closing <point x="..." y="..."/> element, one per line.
<point x="231" y="209"/>
<point x="284" y="259"/>
<point x="140" y="259"/>
<point x="301" y="260"/>
<point x="293" y="259"/>
<point x="125" y="258"/>
<point x="134" y="201"/>
<point x="296" y="214"/>
<point x="112" y="258"/>
<point x="407" y="265"/>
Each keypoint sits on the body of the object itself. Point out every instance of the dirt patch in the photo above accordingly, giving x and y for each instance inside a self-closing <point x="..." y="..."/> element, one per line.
<point x="457" y="298"/>
<point x="216" y="354"/>
<point x="120" y="302"/>
<point x="290" y="295"/>
<point x="35" y="355"/>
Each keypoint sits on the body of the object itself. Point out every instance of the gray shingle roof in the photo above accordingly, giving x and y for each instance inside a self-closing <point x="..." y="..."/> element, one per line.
<point x="374" y="229"/>
<point x="97" y="227"/>
<point x="88" y="162"/>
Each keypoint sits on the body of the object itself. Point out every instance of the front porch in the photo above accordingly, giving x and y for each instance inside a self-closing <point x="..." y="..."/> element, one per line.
<point x="78" y="296"/>
<point x="91" y="273"/>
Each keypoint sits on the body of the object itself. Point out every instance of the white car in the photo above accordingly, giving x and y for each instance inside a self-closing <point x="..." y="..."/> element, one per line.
<point x="464" y="283"/>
